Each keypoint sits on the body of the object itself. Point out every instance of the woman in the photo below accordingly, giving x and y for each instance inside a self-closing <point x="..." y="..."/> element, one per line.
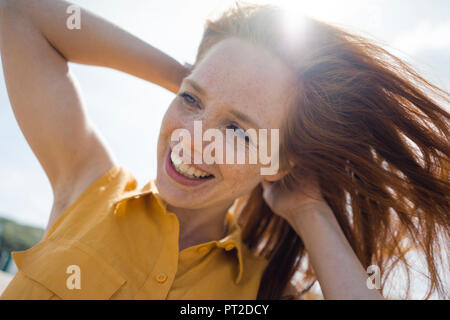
<point x="363" y="174"/>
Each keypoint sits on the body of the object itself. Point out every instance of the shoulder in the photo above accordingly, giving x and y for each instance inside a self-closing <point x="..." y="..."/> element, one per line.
<point x="89" y="182"/>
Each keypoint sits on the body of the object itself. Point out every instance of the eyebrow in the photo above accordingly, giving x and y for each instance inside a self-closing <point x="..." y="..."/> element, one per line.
<point x="196" y="86"/>
<point x="236" y="113"/>
<point x="243" y="117"/>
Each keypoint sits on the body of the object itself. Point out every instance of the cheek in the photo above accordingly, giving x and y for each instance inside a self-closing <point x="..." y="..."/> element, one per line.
<point x="240" y="178"/>
<point x="167" y="126"/>
<point x="172" y="120"/>
<point x="168" y="121"/>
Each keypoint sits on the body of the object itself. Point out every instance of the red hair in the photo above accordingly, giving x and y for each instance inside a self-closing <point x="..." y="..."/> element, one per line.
<point x="373" y="132"/>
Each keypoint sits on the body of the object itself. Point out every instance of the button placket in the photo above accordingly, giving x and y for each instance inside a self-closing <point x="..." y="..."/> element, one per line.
<point x="162" y="275"/>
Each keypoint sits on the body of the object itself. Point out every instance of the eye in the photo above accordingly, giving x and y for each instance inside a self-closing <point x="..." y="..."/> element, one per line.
<point x="239" y="131"/>
<point x="189" y="99"/>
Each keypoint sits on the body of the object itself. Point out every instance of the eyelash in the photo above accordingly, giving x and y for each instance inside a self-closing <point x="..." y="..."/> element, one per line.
<point x="185" y="95"/>
<point x="244" y="136"/>
<point x="233" y="126"/>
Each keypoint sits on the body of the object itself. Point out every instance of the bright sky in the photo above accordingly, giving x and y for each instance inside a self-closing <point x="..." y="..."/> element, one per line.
<point x="128" y="111"/>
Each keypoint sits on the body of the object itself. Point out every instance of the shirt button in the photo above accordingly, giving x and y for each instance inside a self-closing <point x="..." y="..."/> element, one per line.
<point x="229" y="246"/>
<point x="161" y="278"/>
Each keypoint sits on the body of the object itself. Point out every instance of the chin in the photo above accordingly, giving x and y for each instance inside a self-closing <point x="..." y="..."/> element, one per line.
<point x="178" y="197"/>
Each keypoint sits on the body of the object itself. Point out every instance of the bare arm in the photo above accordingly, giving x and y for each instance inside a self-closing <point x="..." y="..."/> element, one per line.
<point x="340" y="273"/>
<point x="338" y="269"/>
<point x="36" y="46"/>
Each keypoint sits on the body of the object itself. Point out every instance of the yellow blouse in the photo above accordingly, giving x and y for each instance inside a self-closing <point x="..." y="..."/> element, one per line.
<point x="118" y="242"/>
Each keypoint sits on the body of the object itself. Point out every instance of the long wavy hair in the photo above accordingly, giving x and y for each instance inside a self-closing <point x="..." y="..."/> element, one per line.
<point x="373" y="131"/>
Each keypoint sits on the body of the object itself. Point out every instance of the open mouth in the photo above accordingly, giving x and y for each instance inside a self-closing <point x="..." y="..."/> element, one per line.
<point x="185" y="173"/>
<point x="187" y="170"/>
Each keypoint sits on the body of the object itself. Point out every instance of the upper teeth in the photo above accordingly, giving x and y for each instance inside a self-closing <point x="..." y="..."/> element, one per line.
<point x="186" y="169"/>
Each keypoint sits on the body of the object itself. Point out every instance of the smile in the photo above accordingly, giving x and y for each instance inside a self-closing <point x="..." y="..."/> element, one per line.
<point x="185" y="173"/>
<point x="186" y="169"/>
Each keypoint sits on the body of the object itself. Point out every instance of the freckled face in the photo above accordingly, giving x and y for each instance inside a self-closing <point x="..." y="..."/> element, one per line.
<point x="235" y="75"/>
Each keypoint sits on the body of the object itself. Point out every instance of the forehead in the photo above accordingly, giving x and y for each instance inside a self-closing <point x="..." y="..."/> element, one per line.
<point x="241" y="75"/>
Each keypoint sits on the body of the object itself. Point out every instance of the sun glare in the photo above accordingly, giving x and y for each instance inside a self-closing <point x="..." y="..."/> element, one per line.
<point x="330" y="10"/>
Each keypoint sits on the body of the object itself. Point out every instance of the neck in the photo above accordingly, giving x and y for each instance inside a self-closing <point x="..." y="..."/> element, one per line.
<point x="200" y="225"/>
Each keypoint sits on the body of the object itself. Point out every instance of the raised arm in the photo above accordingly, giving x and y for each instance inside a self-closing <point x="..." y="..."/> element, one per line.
<point x="35" y="46"/>
<point x="337" y="268"/>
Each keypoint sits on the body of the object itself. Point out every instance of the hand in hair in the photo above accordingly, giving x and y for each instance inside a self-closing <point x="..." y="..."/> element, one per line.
<point x="286" y="203"/>
<point x="339" y="271"/>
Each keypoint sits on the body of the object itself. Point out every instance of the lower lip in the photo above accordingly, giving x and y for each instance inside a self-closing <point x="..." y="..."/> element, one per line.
<point x="179" y="177"/>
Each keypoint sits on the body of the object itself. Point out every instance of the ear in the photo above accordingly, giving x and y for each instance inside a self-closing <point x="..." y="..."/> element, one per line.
<point x="275" y="177"/>
<point x="280" y="174"/>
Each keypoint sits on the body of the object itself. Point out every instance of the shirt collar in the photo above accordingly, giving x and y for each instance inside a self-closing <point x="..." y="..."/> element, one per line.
<point x="233" y="239"/>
